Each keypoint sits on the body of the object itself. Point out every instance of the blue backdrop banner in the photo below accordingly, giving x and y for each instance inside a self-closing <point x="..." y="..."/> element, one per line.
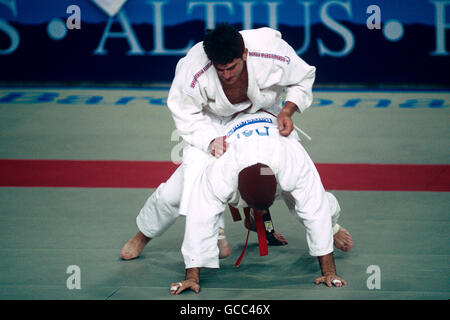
<point x="349" y="41"/>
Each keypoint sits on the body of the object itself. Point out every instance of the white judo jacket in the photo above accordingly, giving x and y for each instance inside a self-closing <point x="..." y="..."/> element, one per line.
<point x="196" y="98"/>
<point x="254" y="138"/>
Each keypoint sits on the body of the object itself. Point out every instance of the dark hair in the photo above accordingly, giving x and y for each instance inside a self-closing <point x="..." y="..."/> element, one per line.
<point x="257" y="185"/>
<point x="223" y="44"/>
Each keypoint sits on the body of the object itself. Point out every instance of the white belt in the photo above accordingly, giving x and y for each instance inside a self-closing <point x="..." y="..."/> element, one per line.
<point x="302" y="132"/>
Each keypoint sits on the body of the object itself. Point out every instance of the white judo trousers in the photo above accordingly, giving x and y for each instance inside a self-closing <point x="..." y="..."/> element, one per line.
<point x="254" y="138"/>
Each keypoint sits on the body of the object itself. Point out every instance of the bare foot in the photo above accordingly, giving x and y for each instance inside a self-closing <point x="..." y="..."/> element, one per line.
<point x="275" y="238"/>
<point x="132" y="249"/>
<point x="343" y="240"/>
<point x="222" y="243"/>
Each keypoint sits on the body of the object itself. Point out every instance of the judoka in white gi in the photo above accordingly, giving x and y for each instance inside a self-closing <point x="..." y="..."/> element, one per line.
<point x="228" y="72"/>
<point x="255" y="142"/>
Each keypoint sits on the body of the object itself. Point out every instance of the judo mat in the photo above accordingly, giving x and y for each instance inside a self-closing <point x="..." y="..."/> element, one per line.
<point x="77" y="164"/>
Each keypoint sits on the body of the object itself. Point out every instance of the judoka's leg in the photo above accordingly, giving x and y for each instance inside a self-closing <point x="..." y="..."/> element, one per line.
<point x="274" y="238"/>
<point x="158" y="213"/>
<point x="342" y="238"/>
<point x="222" y="242"/>
<point x="161" y="209"/>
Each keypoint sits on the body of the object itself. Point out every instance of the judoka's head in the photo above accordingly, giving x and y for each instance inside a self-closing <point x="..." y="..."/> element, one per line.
<point x="257" y="186"/>
<point x="225" y="47"/>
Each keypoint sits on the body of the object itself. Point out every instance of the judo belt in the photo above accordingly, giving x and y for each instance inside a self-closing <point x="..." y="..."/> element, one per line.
<point x="260" y="229"/>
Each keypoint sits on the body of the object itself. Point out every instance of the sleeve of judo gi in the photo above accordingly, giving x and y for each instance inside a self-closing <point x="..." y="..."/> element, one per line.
<point x="199" y="246"/>
<point x="187" y="110"/>
<point x="296" y="75"/>
<point x="313" y="209"/>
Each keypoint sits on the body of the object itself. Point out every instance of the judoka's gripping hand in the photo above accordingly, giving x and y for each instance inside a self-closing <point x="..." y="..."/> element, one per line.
<point x="218" y="146"/>
<point x="285" y="124"/>
<point x="191" y="282"/>
<point x="329" y="276"/>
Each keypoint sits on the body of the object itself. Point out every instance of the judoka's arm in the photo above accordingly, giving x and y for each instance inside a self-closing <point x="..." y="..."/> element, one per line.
<point x="192" y="282"/>
<point x="199" y="246"/>
<point x="313" y="209"/>
<point x="297" y="77"/>
<point x="313" y="213"/>
<point x="328" y="268"/>
<point x="285" y="124"/>
<point x="300" y="92"/>
<point x="187" y="111"/>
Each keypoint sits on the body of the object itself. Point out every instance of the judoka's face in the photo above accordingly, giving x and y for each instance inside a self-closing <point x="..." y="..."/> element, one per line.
<point x="229" y="73"/>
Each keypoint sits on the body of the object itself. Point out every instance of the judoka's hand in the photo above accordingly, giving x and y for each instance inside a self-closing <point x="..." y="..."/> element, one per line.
<point x="177" y="288"/>
<point x="328" y="268"/>
<point x="330" y="280"/>
<point x="285" y="124"/>
<point x="218" y="146"/>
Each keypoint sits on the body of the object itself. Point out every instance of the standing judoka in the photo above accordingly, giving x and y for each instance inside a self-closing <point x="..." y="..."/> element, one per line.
<point x="228" y="72"/>
<point x="258" y="158"/>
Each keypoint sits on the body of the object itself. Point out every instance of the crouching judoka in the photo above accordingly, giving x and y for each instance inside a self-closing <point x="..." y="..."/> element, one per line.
<point x="258" y="159"/>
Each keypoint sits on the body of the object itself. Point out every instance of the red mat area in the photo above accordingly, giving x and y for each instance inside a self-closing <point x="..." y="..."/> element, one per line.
<point x="149" y="174"/>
